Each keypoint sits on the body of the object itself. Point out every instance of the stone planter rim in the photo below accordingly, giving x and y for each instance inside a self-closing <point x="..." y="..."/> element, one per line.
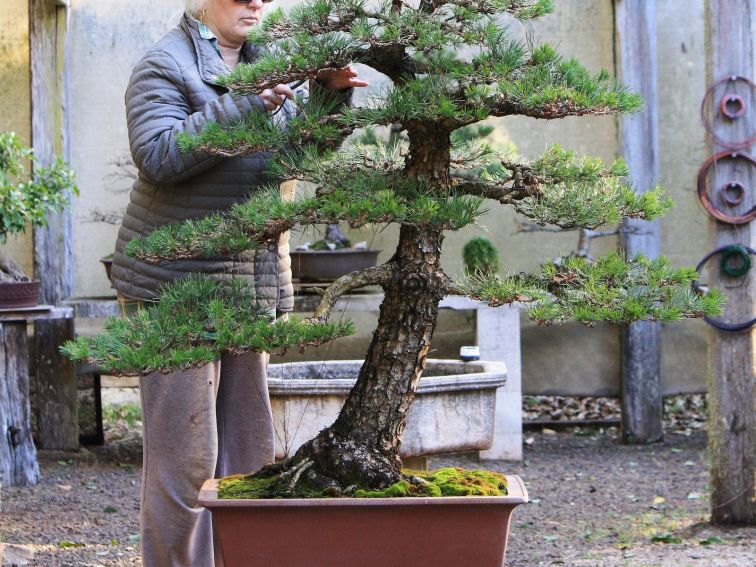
<point x="492" y="374"/>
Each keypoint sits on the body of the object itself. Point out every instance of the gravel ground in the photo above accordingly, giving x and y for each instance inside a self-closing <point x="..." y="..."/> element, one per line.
<point x="593" y="502"/>
<point x="85" y="511"/>
<point x="596" y="502"/>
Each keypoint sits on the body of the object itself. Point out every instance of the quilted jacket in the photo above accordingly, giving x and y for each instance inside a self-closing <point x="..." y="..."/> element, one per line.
<point x="172" y="90"/>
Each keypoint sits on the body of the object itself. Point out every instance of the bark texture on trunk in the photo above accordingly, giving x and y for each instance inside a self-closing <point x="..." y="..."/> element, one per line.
<point x="362" y="446"/>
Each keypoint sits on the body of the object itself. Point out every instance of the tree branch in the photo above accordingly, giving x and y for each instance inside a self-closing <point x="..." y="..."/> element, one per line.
<point x="301" y="137"/>
<point x="377" y="275"/>
<point x="451" y="287"/>
<point x="549" y="111"/>
<point x="523" y="182"/>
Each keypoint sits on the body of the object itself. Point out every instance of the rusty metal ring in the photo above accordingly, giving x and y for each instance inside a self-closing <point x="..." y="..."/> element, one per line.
<point x="737" y="100"/>
<point x="709" y="92"/>
<point x="723" y="325"/>
<point x="732" y="193"/>
<point x="704" y="197"/>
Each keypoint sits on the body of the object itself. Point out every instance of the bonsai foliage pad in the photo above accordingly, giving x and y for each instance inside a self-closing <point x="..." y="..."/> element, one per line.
<point x="369" y="532"/>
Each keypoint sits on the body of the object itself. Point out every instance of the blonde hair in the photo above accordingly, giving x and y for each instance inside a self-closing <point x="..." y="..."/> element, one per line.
<point x="195" y="6"/>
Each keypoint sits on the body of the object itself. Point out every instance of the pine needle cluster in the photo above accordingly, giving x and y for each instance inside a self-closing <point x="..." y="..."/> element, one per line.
<point x="611" y="288"/>
<point x="195" y="321"/>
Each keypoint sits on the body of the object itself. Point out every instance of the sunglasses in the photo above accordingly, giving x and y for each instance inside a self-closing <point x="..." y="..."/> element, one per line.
<point x="248" y="1"/>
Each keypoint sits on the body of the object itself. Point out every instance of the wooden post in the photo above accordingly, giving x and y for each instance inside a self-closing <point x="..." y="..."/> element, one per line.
<point x="18" y="457"/>
<point x="55" y="375"/>
<point x="732" y="392"/>
<point x="635" y="22"/>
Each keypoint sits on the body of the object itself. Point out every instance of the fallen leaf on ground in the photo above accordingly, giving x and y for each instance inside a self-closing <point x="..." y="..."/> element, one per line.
<point x="65" y="544"/>
<point x="666" y="538"/>
<point x="711" y="540"/>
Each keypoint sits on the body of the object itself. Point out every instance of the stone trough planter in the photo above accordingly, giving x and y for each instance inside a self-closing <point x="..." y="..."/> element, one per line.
<point x="454" y="409"/>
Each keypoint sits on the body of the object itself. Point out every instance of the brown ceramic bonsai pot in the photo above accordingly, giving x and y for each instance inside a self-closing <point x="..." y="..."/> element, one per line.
<point x="329" y="265"/>
<point x="370" y="532"/>
<point x="15" y="295"/>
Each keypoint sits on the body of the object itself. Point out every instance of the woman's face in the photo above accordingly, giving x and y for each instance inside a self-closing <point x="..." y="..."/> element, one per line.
<point x="232" y="20"/>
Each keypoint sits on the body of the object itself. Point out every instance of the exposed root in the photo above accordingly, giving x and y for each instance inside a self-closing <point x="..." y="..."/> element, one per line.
<point x="326" y="466"/>
<point x="297" y="472"/>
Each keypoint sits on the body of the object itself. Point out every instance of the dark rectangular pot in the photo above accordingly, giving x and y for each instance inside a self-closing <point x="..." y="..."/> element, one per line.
<point x="329" y="265"/>
<point x="369" y="532"/>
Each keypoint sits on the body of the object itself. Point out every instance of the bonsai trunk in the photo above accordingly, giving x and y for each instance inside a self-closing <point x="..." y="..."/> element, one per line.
<point x="362" y="447"/>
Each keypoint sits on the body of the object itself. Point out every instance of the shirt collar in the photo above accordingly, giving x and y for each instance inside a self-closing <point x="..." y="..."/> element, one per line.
<point x="209" y="59"/>
<point x="206" y="33"/>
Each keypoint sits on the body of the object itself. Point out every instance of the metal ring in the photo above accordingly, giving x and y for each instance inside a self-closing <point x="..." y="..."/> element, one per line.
<point x="741" y="145"/>
<point x="735" y="251"/>
<point x="704" y="197"/>
<point x="737" y="100"/>
<point x="724" y="325"/>
<point x="732" y="193"/>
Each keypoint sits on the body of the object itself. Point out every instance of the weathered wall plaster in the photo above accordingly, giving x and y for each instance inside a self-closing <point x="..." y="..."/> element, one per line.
<point x="15" y="110"/>
<point x="106" y="40"/>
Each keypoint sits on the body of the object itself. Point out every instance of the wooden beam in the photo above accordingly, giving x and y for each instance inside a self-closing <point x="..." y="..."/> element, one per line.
<point x="732" y="389"/>
<point x="635" y="24"/>
<point x="18" y="457"/>
<point x="55" y="375"/>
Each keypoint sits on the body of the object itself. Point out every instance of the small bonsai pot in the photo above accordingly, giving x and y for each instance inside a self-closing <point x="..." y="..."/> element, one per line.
<point x="14" y="295"/>
<point x="328" y="265"/>
<point x="369" y="532"/>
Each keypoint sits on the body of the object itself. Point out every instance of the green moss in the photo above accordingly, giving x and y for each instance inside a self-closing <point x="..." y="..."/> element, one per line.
<point x="459" y="482"/>
<point x="401" y="489"/>
<point x="450" y="481"/>
<point x="244" y="486"/>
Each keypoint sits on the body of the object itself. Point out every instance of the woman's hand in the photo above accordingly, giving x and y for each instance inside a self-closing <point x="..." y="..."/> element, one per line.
<point x="275" y="97"/>
<point x="339" y="79"/>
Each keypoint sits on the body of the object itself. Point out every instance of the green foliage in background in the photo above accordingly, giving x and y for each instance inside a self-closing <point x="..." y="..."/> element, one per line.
<point x="28" y="198"/>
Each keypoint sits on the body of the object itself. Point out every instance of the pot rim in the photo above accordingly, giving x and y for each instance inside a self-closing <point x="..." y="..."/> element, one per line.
<point x="21" y="283"/>
<point x="518" y="494"/>
<point x="493" y="374"/>
<point x="337" y="251"/>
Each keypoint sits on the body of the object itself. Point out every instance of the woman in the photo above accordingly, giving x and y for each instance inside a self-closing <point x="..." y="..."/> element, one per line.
<point x="214" y="420"/>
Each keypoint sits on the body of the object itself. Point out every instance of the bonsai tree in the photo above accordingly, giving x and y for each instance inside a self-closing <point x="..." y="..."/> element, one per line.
<point x="416" y="184"/>
<point x="27" y="199"/>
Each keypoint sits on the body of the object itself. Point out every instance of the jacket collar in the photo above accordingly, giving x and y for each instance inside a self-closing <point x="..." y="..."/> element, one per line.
<point x="210" y="64"/>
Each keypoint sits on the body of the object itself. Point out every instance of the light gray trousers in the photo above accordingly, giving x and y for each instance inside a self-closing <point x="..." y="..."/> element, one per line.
<point x="198" y="423"/>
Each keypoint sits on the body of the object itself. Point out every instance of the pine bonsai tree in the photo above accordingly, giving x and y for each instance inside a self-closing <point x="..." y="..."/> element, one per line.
<point x="425" y="185"/>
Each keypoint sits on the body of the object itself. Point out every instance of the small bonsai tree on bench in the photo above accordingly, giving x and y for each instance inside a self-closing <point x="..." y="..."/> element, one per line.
<point x="416" y="184"/>
<point x="27" y="199"/>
